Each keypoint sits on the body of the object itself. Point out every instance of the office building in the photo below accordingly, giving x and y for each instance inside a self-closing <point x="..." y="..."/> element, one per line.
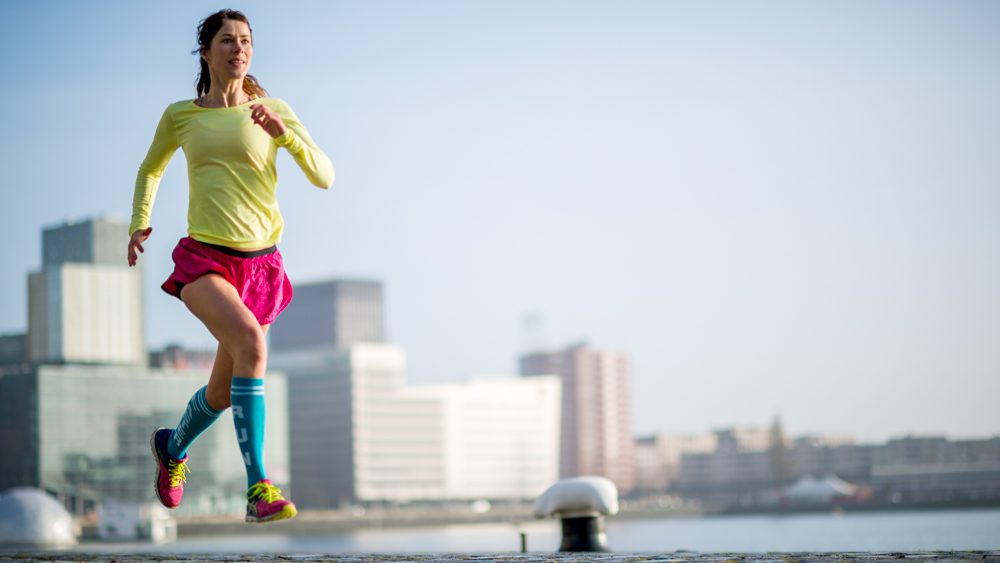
<point x="13" y="349"/>
<point x="501" y="435"/>
<point x="360" y="435"/>
<point x="326" y="389"/>
<point x="81" y="432"/>
<point x="85" y="305"/>
<point x="100" y="240"/>
<point x="935" y="469"/>
<point x="596" y="411"/>
<point x="331" y="314"/>
<point x="742" y="459"/>
<point x="658" y="458"/>
<point x="818" y="456"/>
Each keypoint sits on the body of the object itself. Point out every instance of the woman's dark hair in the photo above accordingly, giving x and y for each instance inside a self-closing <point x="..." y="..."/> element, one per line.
<point x="207" y="30"/>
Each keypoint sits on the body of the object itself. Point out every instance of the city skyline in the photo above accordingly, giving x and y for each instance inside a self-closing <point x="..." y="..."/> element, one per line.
<point x="777" y="208"/>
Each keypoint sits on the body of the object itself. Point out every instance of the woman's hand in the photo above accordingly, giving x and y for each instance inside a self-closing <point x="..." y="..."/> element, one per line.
<point x="268" y="119"/>
<point x="135" y="243"/>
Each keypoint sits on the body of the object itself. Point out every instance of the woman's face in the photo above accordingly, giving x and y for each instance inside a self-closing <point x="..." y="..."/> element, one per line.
<point x="229" y="55"/>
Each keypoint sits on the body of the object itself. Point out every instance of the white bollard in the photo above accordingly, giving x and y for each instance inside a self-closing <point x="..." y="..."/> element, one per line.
<point x="581" y="504"/>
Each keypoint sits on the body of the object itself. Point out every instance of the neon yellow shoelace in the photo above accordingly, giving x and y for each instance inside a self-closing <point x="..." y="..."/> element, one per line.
<point x="176" y="471"/>
<point x="265" y="491"/>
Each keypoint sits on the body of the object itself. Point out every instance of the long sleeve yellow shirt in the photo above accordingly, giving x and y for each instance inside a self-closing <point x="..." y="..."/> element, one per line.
<point x="231" y="171"/>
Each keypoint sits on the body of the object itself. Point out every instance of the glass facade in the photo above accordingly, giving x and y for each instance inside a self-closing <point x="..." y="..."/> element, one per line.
<point x="93" y="428"/>
<point x="19" y="427"/>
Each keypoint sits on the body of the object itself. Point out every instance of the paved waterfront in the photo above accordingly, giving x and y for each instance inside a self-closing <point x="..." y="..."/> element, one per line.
<point x="682" y="556"/>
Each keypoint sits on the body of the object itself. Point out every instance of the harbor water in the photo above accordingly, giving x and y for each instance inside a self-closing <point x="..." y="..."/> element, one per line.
<point x="883" y="531"/>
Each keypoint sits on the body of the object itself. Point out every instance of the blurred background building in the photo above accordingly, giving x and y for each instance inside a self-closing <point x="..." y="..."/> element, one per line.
<point x="935" y="469"/>
<point x="80" y="397"/>
<point x="85" y="305"/>
<point x="178" y="357"/>
<point x="13" y="349"/>
<point x="747" y="468"/>
<point x="331" y="314"/>
<point x="658" y="458"/>
<point x="360" y="435"/>
<point x="596" y="421"/>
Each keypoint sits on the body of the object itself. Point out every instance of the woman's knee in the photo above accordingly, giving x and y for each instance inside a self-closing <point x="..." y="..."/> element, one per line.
<point x="250" y="346"/>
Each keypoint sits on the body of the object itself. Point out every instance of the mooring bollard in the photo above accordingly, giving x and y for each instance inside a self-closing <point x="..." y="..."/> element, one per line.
<point x="581" y="504"/>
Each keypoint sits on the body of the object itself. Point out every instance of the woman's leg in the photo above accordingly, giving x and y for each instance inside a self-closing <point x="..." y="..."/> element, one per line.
<point x="246" y="396"/>
<point x="203" y="409"/>
<point x="242" y="348"/>
<point x="221" y="381"/>
<point x="198" y="416"/>
<point x="217" y="304"/>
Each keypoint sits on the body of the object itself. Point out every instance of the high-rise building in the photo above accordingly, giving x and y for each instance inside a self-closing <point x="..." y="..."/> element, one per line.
<point x="358" y="434"/>
<point x="596" y="411"/>
<point x="335" y="313"/>
<point x="85" y="305"/>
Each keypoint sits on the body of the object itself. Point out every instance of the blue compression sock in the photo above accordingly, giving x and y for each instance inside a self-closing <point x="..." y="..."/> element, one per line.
<point x="198" y="416"/>
<point x="248" y="414"/>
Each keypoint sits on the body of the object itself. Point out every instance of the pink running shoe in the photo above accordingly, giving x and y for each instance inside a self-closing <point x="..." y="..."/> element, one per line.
<point x="169" y="484"/>
<point x="265" y="503"/>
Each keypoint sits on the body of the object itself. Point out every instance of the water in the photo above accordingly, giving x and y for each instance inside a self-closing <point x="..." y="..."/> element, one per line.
<point x="886" y="531"/>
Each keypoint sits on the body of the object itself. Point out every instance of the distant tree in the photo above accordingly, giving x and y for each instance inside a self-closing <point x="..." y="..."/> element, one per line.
<point x="782" y="471"/>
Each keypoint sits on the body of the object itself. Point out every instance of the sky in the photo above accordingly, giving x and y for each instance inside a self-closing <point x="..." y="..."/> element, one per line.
<point x="774" y="208"/>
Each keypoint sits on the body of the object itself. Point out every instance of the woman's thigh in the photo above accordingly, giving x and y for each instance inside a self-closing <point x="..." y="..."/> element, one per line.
<point x="217" y="304"/>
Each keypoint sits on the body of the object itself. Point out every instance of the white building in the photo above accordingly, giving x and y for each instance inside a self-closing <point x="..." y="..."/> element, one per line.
<point x="501" y="436"/>
<point x="85" y="305"/>
<point x="358" y="434"/>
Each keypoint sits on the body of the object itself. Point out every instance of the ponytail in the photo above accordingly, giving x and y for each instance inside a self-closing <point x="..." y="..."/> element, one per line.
<point x="204" y="78"/>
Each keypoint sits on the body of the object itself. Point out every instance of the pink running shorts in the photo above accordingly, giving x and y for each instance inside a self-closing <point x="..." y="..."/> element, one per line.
<point x="259" y="277"/>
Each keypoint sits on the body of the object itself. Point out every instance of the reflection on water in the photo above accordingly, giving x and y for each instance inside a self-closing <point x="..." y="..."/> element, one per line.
<point x="892" y="531"/>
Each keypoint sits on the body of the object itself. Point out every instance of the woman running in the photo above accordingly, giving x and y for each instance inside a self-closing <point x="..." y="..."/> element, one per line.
<point x="228" y="271"/>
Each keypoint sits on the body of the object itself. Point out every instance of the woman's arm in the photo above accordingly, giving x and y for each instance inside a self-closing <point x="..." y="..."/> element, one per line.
<point x="163" y="147"/>
<point x="296" y="140"/>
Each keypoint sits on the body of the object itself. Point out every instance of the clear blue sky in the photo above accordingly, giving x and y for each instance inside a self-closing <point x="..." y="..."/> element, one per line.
<point x="772" y="207"/>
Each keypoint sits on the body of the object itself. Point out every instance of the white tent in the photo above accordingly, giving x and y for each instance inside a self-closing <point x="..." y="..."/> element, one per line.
<point x="810" y="488"/>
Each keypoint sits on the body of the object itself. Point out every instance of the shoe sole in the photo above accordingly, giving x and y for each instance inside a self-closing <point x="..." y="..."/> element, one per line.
<point x="156" y="477"/>
<point x="286" y="513"/>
